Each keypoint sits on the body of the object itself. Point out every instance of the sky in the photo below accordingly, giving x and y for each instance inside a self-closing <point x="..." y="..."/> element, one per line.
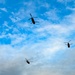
<point x="41" y="43"/>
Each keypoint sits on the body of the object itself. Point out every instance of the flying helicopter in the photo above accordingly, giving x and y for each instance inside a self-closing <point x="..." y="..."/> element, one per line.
<point x="27" y="61"/>
<point x="32" y="19"/>
<point x="68" y="44"/>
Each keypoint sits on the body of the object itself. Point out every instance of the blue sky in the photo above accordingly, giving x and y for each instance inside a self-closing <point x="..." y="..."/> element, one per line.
<point x="42" y="43"/>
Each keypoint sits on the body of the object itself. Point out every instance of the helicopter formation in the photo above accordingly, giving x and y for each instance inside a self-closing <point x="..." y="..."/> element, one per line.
<point x="34" y="22"/>
<point x="66" y="43"/>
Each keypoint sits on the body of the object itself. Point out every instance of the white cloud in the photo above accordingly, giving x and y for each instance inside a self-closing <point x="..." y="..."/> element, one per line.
<point x="70" y="19"/>
<point x="18" y="39"/>
<point x="45" y="49"/>
<point x="65" y="2"/>
<point x="17" y="16"/>
<point x="72" y="9"/>
<point x="9" y="54"/>
<point x="5" y="24"/>
<point x="19" y="67"/>
<point x="15" y="19"/>
<point x="52" y="14"/>
<point x="38" y="50"/>
<point x="5" y="28"/>
<point x="46" y="5"/>
<point x="54" y="30"/>
<point x="4" y="9"/>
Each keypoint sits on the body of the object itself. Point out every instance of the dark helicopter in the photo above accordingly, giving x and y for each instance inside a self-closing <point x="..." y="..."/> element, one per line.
<point x="32" y="19"/>
<point x="68" y="44"/>
<point x="27" y="61"/>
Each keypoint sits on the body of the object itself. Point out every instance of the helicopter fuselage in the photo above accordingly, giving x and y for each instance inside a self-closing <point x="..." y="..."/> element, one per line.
<point x="32" y="19"/>
<point x="68" y="45"/>
<point x="27" y="61"/>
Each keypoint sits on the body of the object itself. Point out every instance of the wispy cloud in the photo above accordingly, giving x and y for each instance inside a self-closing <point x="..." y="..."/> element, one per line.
<point x="17" y="16"/>
<point x="72" y="9"/>
<point x="61" y="67"/>
<point x="52" y="15"/>
<point x="4" y="9"/>
<point x="42" y="43"/>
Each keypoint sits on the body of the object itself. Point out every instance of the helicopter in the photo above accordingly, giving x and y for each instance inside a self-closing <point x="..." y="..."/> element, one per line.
<point x="27" y="61"/>
<point x="32" y="19"/>
<point x="68" y="44"/>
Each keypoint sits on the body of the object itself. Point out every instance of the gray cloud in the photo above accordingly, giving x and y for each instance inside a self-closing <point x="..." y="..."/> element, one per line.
<point x="60" y="64"/>
<point x="47" y="57"/>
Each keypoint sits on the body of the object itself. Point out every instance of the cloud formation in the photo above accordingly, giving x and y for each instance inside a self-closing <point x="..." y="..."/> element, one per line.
<point x="42" y="44"/>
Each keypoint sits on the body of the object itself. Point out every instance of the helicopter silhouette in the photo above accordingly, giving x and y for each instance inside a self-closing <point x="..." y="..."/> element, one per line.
<point x="32" y="19"/>
<point x="68" y="44"/>
<point x="27" y="61"/>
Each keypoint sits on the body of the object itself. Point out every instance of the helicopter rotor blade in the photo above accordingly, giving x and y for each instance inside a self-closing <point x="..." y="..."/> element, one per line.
<point x="65" y="42"/>
<point x="35" y="17"/>
<point x="25" y="58"/>
<point x="30" y="15"/>
<point x="37" y="21"/>
<point x="69" y="40"/>
<point x="71" y="43"/>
